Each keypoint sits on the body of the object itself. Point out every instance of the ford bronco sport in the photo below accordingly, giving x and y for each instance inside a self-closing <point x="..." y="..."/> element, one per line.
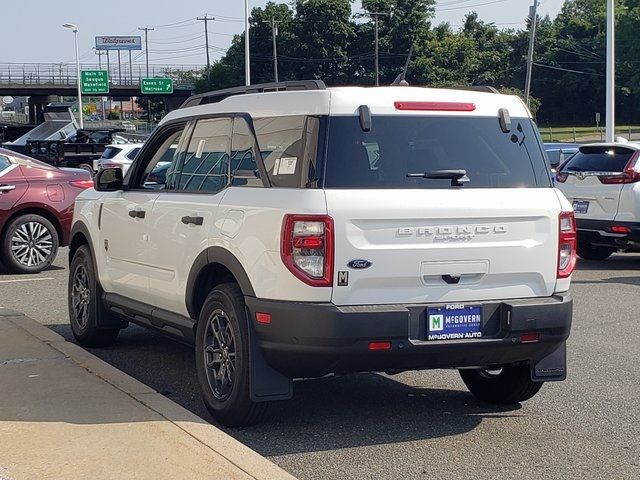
<point x="302" y="231"/>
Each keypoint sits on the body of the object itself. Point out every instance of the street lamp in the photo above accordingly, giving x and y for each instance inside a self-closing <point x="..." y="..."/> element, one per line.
<point x="74" y="28"/>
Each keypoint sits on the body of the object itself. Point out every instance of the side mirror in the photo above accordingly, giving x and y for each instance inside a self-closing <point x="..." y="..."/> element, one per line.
<point x="108" y="180"/>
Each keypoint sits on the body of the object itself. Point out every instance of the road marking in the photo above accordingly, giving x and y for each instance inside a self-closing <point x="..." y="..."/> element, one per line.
<point x="27" y="280"/>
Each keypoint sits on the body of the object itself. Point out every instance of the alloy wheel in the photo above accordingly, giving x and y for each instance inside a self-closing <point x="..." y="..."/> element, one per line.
<point x="81" y="296"/>
<point x="220" y="354"/>
<point x="32" y="244"/>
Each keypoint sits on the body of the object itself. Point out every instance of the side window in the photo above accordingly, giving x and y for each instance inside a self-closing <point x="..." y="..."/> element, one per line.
<point x="4" y="163"/>
<point x="157" y="174"/>
<point x="244" y="170"/>
<point x="206" y="162"/>
<point x="289" y="147"/>
<point x="132" y="154"/>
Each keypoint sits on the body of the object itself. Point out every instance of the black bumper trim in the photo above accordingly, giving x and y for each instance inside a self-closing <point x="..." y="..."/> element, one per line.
<point x="598" y="233"/>
<point x="315" y="339"/>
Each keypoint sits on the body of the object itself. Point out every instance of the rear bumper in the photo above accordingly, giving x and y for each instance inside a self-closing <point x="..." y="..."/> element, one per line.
<point x="311" y="339"/>
<point x="598" y="233"/>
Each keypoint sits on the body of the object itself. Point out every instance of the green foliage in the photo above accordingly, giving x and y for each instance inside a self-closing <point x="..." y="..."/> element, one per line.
<point x="321" y="39"/>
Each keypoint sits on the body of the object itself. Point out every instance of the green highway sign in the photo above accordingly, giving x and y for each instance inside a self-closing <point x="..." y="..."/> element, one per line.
<point x="94" y="81"/>
<point x="156" y="85"/>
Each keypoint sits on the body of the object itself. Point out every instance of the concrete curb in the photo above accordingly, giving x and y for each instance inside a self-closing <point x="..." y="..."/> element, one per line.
<point x="222" y="444"/>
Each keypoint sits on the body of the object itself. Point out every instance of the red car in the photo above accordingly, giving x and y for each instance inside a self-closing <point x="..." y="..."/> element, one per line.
<point x="36" y="209"/>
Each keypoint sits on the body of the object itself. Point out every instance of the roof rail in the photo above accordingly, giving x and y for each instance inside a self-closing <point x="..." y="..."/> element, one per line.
<point x="479" y="88"/>
<point x="219" y="95"/>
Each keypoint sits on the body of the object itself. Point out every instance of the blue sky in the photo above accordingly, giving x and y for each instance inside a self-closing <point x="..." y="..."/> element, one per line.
<point x="32" y="31"/>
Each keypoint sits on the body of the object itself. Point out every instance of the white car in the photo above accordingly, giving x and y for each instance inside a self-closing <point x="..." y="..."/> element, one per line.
<point x="301" y="231"/>
<point x="602" y="181"/>
<point x="117" y="155"/>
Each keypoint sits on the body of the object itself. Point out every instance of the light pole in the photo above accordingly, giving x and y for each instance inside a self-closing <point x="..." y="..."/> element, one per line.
<point x="611" y="74"/>
<point x="247" y="63"/>
<point x="74" y="28"/>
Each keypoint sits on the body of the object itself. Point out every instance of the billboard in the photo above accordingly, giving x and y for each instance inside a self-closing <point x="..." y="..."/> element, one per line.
<point x="118" y="43"/>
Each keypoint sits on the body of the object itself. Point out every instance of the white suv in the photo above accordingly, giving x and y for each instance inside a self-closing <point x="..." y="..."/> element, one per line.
<point x="602" y="181"/>
<point x="301" y="231"/>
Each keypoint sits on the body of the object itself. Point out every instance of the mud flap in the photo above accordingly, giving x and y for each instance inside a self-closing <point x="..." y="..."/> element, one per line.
<point x="552" y="368"/>
<point x="265" y="383"/>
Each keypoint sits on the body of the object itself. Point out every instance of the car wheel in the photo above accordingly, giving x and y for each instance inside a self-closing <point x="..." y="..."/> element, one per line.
<point x="30" y="244"/>
<point x="222" y="358"/>
<point x="87" y="167"/>
<point x="507" y="385"/>
<point x="85" y="303"/>
<point x="587" y="251"/>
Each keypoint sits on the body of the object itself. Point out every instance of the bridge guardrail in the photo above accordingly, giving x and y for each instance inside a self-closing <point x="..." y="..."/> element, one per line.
<point x="65" y="73"/>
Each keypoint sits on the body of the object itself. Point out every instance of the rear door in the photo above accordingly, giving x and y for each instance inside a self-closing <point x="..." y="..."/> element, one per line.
<point x="592" y="180"/>
<point x="424" y="240"/>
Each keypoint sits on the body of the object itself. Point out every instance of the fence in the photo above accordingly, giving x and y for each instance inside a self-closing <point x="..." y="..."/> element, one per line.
<point x="586" y="134"/>
<point x="65" y="73"/>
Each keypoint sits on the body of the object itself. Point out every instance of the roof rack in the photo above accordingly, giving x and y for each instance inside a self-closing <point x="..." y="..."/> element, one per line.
<point x="219" y="95"/>
<point x="479" y="88"/>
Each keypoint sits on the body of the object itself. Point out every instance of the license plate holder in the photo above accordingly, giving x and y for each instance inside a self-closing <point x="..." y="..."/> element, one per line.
<point x="454" y="322"/>
<point x="580" y="206"/>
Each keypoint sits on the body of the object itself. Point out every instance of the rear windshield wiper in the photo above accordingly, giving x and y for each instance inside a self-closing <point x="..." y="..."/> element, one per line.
<point x="458" y="177"/>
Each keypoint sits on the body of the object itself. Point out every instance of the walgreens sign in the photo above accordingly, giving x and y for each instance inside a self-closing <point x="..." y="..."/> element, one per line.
<point x="118" y="43"/>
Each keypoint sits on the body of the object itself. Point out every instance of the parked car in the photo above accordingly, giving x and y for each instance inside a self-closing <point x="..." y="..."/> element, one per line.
<point x="557" y="153"/>
<point x="602" y="181"/>
<point x="36" y="208"/>
<point x="334" y="230"/>
<point x="117" y="155"/>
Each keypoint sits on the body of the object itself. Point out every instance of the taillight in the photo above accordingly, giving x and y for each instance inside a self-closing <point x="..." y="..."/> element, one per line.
<point x="629" y="174"/>
<point x="561" y="177"/>
<point x="82" y="183"/>
<point x="307" y="248"/>
<point x="567" y="241"/>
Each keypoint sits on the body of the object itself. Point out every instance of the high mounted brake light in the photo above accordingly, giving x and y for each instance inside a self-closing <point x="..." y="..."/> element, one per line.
<point x="436" y="106"/>
<point x="307" y="248"/>
<point x="567" y="243"/>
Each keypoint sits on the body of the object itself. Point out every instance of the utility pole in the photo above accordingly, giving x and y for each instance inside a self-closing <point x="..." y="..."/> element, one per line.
<point x="247" y="62"/>
<point x="146" y="51"/>
<point x="274" y="34"/>
<point x="611" y="74"/>
<point x="375" y="16"/>
<point x="206" y="19"/>
<point x="533" y="15"/>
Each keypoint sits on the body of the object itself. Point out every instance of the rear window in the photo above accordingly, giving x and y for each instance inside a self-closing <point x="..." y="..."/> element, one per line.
<point x="110" y="152"/>
<point x="397" y="146"/>
<point x="599" y="159"/>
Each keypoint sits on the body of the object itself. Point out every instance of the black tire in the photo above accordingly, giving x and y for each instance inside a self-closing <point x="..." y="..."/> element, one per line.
<point x="225" y="389"/>
<point x="30" y="244"/>
<point x="508" y="386"/>
<point x="587" y="251"/>
<point x="85" y="303"/>
<point x="87" y="167"/>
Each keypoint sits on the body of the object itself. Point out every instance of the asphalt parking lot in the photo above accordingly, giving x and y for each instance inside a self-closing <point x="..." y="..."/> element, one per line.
<point x="422" y="424"/>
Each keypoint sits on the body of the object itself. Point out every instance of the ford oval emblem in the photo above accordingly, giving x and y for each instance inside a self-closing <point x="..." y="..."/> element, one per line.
<point x="359" y="264"/>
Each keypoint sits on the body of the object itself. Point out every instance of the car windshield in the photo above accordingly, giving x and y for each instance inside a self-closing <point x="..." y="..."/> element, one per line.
<point x="399" y="150"/>
<point x="599" y="158"/>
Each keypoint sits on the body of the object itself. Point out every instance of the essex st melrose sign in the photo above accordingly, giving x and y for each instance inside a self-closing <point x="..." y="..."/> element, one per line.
<point x="94" y="81"/>
<point x="156" y="85"/>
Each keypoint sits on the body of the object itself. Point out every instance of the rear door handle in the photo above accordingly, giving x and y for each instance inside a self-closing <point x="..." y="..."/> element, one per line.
<point x="6" y="188"/>
<point x="192" y="220"/>
<point x="137" y="213"/>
